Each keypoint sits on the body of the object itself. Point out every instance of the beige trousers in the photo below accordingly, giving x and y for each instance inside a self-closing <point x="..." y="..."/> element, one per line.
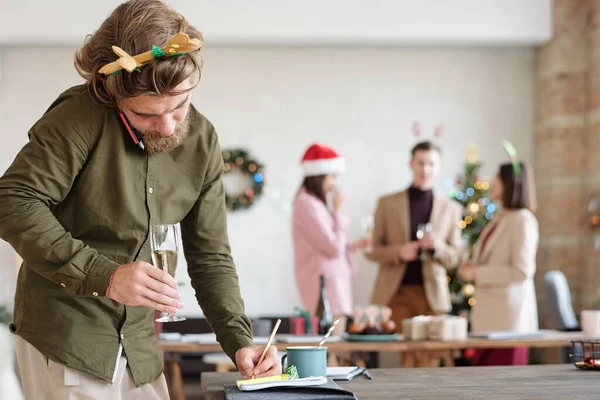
<point x="45" y="379"/>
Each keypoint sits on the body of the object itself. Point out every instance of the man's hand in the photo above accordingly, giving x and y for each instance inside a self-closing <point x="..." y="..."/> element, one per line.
<point x="409" y="251"/>
<point x="247" y="359"/>
<point x="361" y="244"/>
<point x="428" y="241"/>
<point x="142" y="284"/>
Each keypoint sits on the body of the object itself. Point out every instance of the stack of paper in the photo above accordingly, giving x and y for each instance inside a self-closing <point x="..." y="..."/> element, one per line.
<point x="508" y="335"/>
<point x="344" y="373"/>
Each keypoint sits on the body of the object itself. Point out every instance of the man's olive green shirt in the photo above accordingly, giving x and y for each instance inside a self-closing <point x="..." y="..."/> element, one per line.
<point x="77" y="202"/>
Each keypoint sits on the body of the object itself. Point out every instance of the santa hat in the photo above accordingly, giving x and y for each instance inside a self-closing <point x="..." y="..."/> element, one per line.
<point x="322" y="160"/>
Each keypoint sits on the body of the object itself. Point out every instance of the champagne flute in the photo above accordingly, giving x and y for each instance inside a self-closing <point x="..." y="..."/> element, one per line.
<point x="422" y="229"/>
<point x="368" y="225"/>
<point x="466" y="248"/>
<point x="164" y="245"/>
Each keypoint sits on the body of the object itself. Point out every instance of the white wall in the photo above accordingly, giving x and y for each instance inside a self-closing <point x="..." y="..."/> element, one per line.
<point x="351" y="22"/>
<point x="276" y="100"/>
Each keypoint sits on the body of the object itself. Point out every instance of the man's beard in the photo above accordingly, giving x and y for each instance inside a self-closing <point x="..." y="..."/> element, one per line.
<point x="156" y="142"/>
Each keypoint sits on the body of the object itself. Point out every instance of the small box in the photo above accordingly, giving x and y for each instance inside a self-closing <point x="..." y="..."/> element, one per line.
<point x="447" y="327"/>
<point x="416" y="328"/>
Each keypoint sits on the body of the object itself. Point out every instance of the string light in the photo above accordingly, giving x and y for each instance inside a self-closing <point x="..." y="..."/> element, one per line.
<point x="472" y="301"/>
<point x="485" y="185"/>
<point x="462" y="224"/>
<point x="468" y="290"/>
<point x="468" y="219"/>
<point x="473" y="207"/>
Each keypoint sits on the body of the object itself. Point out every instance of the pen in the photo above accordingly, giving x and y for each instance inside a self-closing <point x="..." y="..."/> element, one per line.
<point x="131" y="130"/>
<point x="367" y="374"/>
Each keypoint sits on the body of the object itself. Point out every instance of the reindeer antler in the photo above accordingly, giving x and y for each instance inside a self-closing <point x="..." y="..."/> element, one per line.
<point x="177" y="45"/>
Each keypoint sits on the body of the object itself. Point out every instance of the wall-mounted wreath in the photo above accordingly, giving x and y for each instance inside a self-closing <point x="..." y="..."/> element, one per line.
<point x="240" y="159"/>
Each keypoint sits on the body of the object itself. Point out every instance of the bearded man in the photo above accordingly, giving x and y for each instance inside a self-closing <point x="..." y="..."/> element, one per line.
<point x="108" y="159"/>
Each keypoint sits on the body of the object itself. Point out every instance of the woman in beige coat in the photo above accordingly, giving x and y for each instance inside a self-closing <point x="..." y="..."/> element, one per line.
<point x="503" y="267"/>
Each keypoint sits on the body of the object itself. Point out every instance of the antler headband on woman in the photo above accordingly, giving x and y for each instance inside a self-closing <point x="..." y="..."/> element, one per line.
<point x="176" y="46"/>
<point x="512" y="153"/>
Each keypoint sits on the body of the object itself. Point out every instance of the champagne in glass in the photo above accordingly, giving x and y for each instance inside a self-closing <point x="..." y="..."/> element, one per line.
<point x="165" y="246"/>
<point x="368" y="225"/>
<point x="466" y="248"/>
<point x="422" y="229"/>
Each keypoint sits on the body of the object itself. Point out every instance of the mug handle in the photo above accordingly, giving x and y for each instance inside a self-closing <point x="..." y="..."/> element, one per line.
<point x="283" y="359"/>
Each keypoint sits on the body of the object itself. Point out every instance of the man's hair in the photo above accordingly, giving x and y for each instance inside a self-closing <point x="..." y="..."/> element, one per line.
<point x="425" y="146"/>
<point x="135" y="26"/>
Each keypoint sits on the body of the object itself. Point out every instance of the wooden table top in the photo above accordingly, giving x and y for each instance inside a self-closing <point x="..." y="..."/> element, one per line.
<point x="549" y="339"/>
<point x="562" y="381"/>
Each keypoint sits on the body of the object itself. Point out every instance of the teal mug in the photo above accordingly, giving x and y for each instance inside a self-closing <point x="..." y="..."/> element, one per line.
<point x="309" y="360"/>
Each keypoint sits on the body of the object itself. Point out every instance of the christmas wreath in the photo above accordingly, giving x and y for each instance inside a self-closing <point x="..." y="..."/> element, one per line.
<point x="240" y="159"/>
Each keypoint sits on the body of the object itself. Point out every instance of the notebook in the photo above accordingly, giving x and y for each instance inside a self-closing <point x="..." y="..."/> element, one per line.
<point x="327" y="391"/>
<point x="278" y="381"/>
<point x="344" y="373"/>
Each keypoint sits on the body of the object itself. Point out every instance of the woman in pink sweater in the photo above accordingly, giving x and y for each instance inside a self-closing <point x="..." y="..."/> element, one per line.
<point x="319" y="233"/>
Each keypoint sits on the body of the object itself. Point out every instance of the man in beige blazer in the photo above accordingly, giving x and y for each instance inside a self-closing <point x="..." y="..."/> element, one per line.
<point x="406" y="283"/>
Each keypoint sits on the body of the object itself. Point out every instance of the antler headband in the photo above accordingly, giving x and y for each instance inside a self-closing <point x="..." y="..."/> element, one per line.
<point x="176" y="46"/>
<point x="512" y="153"/>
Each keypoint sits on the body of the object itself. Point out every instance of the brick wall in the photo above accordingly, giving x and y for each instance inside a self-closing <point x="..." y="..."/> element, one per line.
<point x="567" y="140"/>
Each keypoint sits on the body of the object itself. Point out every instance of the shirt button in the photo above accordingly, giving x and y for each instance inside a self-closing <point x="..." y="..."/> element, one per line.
<point x="95" y="294"/>
<point x="150" y="190"/>
<point x="122" y="336"/>
<point x="63" y="285"/>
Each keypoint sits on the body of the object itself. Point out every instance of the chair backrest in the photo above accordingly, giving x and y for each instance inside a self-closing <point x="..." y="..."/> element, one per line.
<point x="558" y="301"/>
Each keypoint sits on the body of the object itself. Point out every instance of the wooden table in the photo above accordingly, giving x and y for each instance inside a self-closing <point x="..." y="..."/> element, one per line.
<point x="551" y="339"/>
<point x="425" y="348"/>
<point x="562" y="381"/>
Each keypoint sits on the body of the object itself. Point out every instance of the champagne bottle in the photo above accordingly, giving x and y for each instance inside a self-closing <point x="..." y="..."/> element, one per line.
<point x="324" y="310"/>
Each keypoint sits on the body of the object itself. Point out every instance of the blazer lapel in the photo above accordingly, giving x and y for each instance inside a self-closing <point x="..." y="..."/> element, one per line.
<point x="489" y="245"/>
<point x="436" y="213"/>
<point x="403" y="214"/>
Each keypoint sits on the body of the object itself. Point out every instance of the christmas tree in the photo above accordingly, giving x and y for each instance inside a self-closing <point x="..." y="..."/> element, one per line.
<point x="472" y="193"/>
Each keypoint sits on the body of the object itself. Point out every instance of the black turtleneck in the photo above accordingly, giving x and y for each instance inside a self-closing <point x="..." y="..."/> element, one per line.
<point x="420" y="205"/>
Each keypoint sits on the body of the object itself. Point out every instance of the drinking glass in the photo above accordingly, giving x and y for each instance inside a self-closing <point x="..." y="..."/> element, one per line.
<point x="466" y="248"/>
<point x="422" y="229"/>
<point x="165" y="249"/>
